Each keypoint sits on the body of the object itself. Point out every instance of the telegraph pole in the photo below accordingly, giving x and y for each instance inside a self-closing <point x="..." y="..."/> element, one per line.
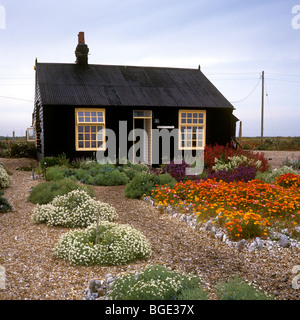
<point x="262" y="107"/>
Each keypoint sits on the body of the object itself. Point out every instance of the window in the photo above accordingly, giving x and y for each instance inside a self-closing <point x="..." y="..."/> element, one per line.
<point x="192" y="129"/>
<point x="30" y="134"/>
<point x="90" y="127"/>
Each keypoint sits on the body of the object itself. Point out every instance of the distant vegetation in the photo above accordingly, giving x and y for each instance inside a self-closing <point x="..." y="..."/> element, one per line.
<point x="272" y="143"/>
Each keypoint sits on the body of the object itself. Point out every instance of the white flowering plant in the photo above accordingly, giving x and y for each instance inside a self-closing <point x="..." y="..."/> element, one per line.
<point x="113" y="244"/>
<point x="234" y="162"/>
<point x="74" y="209"/>
<point x="157" y="282"/>
<point x="5" y="180"/>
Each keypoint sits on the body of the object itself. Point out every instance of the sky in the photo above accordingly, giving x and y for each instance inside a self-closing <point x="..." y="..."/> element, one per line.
<point x="233" y="41"/>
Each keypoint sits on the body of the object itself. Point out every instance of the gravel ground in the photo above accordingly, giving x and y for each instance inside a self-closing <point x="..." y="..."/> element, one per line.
<point x="33" y="273"/>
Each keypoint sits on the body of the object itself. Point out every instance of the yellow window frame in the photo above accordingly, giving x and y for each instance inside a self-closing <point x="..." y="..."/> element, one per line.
<point x="192" y="138"/>
<point x="87" y="124"/>
<point x="142" y="114"/>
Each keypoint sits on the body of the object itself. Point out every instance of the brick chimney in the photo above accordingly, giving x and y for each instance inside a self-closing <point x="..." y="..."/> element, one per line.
<point x="81" y="51"/>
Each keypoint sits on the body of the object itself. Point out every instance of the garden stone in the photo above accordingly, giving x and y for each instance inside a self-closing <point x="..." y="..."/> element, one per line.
<point x="184" y="218"/>
<point x="253" y="246"/>
<point x="224" y="238"/>
<point x="240" y="245"/>
<point x="284" y="241"/>
<point x="219" y="235"/>
<point x="92" y="286"/>
<point x="208" y="225"/>
<point x="258" y="243"/>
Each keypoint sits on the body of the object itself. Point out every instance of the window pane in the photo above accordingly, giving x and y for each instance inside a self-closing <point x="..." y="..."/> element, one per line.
<point x="93" y="128"/>
<point x="99" y="128"/>
<point x="142" y="114"/>
<point x="80" y="144"/>
<point x="183" y="120"/>
<point x="87" y="144"/>
<point x="86" y="129"/>
<point x="94" y="119"/>
<point x="100" y="119"/>
<point x="99" y="137"/>
<point x="80" y="113"/>
<point x="189" y="120"/>
<point x="93" y="144"/>
<point x="80" y="136"/>
<point x="80" y="119"/>
<point x="100" y="143"/>
<point x="93" y="114"/>
<point x="87" y="137"/>
<point x="87" y="119"/>
<point x="200" y="121"/>
<point x="93" y="137"/>
<point x="200" y="115"/>
<point x="87" y="113"/>
<point x="80" y="128"/>
<point x="100" y="114"/>
<point x="189" y="115"/>
<point x="183" y="115"/>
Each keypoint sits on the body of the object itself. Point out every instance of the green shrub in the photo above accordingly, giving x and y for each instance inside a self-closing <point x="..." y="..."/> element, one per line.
<point x="238" y="289"/>
<point x="117" y="244"/>
<point x="143" y="183"/>
<point x="157" y="282"/>
<point x="4" y="205"/>
<point x="132" y="169"/>
<point x="75" y="209"/>
<point x="5" y="180"/>
<point x="45" y="192"/>
<point x="48" y="162"/>
<point x="112" y="178"/>
<point x="20" y="149"/>
<point x="81" y="174"/>
<point x="59" y="172"/>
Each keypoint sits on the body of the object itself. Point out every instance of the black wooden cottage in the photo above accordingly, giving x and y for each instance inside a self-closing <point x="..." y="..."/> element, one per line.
<point x="74" y="102"/>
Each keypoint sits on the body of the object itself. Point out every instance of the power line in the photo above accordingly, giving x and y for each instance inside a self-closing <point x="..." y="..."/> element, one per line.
<point x="5" y="97"/>
<point x="249" y="93"/>
<point x="284" y="74"/>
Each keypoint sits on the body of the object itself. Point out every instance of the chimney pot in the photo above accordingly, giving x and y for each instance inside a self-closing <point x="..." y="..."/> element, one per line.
<point x="82" y="50"/>
<point x="81" y="38"/>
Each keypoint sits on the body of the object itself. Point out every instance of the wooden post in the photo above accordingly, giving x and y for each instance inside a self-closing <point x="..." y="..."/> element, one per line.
<point x="240" y="133"/>
<point x="262" y="107"/>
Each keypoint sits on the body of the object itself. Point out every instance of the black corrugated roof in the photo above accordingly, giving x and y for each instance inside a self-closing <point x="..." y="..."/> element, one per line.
<point x="103" y="85"/>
